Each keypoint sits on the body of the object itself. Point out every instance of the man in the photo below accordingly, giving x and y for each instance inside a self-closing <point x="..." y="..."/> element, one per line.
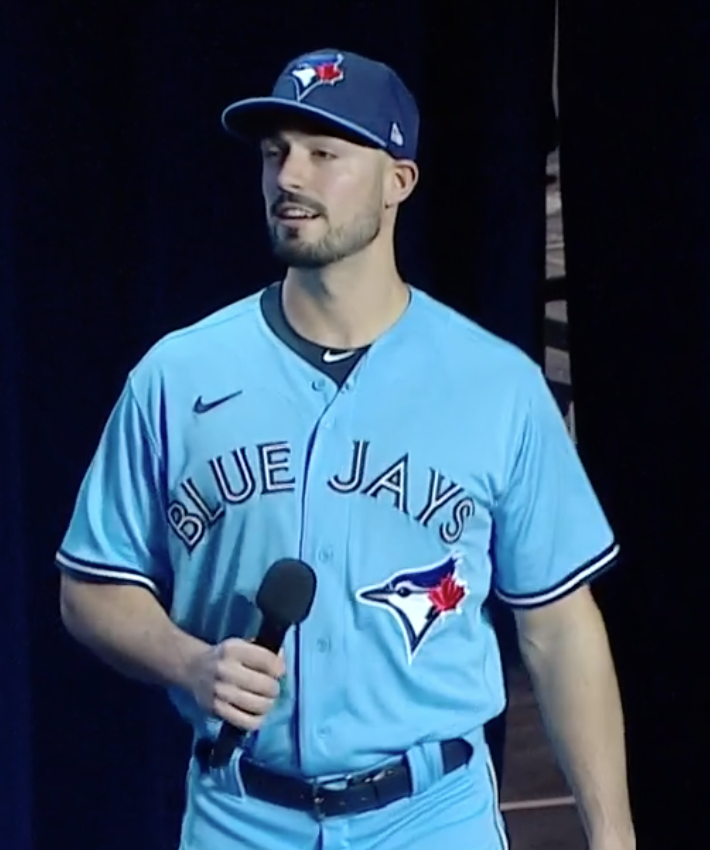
<point x="346" y="419"/>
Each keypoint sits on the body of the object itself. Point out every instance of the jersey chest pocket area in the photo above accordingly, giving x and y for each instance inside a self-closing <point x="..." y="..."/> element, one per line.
<point x="216" y="582"/>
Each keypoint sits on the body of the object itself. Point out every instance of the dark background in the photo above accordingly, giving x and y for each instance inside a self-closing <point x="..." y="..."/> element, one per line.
<point x="126" y="213"/>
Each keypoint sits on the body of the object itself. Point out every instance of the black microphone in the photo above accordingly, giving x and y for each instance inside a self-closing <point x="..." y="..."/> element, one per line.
<point x="284" y="598"/>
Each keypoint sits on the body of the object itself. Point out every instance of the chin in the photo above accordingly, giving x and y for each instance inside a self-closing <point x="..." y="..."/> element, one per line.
<point x="299" y="258"/>
<point x="294" y="245"/>
<point x="295" y="250"/>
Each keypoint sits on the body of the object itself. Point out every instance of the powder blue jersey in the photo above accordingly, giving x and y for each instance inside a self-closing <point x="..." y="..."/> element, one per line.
<point x="440" y="470"/>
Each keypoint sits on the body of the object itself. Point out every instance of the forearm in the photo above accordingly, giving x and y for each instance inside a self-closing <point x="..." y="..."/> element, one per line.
<point x="126" y="628"/>
<point x="575" y="683"/>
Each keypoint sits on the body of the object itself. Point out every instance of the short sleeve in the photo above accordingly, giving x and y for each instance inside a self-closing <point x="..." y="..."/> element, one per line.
<point x="550" y="533"/>
<point x="117" y="532"/>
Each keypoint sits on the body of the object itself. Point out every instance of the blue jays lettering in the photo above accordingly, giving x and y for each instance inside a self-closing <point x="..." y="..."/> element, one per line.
<point x="265" y="470"/>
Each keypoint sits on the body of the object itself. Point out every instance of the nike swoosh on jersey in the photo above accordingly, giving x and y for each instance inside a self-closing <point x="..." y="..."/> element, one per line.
<point x="204" y="406"/>
<point x="336" y="356"/>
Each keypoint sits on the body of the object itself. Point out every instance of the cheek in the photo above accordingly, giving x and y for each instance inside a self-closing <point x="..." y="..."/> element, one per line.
<point x="269" y="183"/>
<point x="352" y="199"/>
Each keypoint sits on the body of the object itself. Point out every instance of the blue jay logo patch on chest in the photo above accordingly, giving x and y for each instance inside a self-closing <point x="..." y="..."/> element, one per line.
<point x="418" y="599"/>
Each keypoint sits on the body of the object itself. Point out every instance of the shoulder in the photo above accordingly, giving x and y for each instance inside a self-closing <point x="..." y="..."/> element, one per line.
<point x="474" y="353"/>
<point x="230" y="322"/>
<point x="201" y="346"/>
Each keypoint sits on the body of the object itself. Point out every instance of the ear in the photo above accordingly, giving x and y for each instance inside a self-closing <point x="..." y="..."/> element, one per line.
<point x="402" y="178"/>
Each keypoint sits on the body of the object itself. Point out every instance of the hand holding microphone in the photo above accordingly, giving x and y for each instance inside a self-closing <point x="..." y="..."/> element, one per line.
<point x="238" y="680"/>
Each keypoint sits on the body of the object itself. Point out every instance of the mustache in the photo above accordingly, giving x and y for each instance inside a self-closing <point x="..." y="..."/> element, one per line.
<point x="287" y="199"/>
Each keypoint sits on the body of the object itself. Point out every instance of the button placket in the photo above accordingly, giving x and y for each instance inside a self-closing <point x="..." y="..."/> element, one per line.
<point x="323" y="510"/>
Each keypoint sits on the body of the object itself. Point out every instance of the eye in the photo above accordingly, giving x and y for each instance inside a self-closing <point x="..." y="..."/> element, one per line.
<point x="271" y="150"/>
<point x="323" y="154"/>
<point x="403" y="591"/>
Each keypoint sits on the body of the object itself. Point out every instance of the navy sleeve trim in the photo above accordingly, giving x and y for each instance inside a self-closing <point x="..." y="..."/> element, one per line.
<point x="104" y="573"/>
<point x="582" y="575"/>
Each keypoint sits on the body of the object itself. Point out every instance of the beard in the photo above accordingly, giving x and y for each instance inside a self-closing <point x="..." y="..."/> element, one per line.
<point x="335" y="245"/>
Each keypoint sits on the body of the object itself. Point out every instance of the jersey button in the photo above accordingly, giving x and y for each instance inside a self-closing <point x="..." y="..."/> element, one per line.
<point x="318" y="385"/>
<point x="324" y="731"/>
<point x="323" y="645"/>
<point x="325" y="554"/>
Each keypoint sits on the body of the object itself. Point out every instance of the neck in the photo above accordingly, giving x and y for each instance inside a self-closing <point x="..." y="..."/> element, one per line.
<point x="346" y="305"/>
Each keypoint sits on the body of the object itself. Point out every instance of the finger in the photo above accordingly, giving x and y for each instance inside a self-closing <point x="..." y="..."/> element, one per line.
<point x="237" y="718"/>
<point x="237" y="675"/>
<point x="262" y="660"/>
<point x="244" y="701"/>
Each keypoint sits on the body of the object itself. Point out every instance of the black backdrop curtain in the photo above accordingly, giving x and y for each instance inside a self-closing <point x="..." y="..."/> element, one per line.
<point x="15" y="725"/>
<point x="126" y="212"/>
<point x="488" y="137"/>
<point x="635" y="159"/>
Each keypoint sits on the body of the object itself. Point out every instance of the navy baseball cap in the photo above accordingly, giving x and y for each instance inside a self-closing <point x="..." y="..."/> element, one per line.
<point x="361" y="97"/>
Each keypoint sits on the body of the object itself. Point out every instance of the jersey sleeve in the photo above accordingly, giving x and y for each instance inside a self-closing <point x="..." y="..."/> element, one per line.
<point x="550" y="533"/>
<point x="117" y="533"/>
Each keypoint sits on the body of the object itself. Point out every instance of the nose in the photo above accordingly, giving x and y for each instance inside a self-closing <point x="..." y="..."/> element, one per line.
<point x="293" y="171"/>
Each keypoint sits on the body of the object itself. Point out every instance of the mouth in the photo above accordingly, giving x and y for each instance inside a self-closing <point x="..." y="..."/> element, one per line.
<point x="295" y="215"/>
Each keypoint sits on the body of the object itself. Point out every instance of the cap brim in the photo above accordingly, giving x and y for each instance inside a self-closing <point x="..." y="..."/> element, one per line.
<point x="255" y="118"/>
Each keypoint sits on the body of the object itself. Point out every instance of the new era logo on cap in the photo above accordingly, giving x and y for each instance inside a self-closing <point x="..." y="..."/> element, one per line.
<point x="396" y="136"/>
<point x="358" y="95"/>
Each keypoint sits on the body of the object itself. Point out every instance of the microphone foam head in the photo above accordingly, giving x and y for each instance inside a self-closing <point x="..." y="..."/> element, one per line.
<point x="287" y="592"/>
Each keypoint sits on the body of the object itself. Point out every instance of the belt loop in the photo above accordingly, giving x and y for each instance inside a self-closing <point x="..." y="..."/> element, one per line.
<point x="235" y="768"/>
<point x="425" y="765"/>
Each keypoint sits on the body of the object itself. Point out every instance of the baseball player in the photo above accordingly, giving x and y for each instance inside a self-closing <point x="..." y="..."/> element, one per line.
<point x="414" y="461"/>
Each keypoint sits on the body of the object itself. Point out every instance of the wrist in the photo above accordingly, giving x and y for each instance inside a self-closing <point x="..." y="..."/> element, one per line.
<point x="622" y="838"/>
<point x="188" y="651"/>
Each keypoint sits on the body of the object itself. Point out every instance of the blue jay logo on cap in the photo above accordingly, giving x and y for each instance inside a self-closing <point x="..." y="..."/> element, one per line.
<point x="420" y="598"/>
<point x="318" y="70"/>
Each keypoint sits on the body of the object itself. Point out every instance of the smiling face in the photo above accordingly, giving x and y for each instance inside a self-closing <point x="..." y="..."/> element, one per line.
<point x="326" y="197"/>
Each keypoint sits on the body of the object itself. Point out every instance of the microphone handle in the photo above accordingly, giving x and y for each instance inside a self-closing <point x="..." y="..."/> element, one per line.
<point x="228" y="740"/>
<point x="271" y="636"/>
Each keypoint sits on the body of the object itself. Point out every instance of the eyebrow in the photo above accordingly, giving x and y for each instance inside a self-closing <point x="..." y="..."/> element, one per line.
<point x="313" y="138"/>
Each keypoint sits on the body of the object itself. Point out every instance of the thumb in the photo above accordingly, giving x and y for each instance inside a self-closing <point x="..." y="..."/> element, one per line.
<point x="282" y="659"/>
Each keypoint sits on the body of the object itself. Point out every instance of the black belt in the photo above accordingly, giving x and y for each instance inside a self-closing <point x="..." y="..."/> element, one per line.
<point x="363" y="793"/>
